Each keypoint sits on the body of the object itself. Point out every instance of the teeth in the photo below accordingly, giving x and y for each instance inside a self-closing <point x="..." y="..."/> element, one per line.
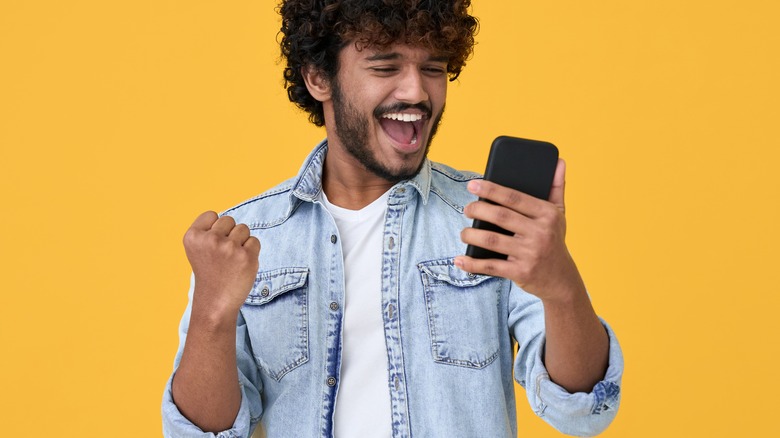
<point x="403" y="117"/>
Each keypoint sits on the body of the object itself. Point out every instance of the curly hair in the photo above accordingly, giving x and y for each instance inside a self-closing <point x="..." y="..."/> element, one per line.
<point x="314" y="31"/>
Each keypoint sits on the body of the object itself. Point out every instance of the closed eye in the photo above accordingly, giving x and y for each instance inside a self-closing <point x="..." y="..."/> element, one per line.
<point x="384" y="70"/>
<point x="434" y="71"/>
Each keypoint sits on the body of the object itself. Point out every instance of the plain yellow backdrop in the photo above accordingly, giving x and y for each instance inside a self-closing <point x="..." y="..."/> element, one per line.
<point x="120" y="121"/>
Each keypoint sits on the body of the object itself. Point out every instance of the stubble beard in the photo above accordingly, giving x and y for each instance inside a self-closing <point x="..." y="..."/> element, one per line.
<point x="352" y="129"/>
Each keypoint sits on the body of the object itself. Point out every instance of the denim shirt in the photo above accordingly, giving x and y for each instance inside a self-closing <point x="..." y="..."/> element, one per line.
<point x="449" y="334"/>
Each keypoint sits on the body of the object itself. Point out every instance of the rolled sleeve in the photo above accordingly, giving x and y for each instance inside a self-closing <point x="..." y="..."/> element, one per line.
<point x="579" y="414"/>
<point x="175" y="425"/>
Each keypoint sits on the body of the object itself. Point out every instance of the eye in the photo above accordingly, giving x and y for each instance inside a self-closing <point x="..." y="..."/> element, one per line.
<point x="384" y="70"/>
<point x="434" y="71"/>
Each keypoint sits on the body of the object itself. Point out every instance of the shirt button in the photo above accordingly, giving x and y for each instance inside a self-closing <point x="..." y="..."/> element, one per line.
<point x="333" y="238"/>
<point x="391" y="243"/>
<point x="334" y="306"/>
<point x="401" y="190"/>
<point x="265" y="291"/>
<point x="331" y="381"/>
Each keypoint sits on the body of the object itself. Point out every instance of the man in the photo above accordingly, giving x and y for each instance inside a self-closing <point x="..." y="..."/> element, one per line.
<point x="360" y="317"/>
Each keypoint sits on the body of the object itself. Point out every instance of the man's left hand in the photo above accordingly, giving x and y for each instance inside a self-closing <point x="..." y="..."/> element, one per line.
<point x="538" y="260"/>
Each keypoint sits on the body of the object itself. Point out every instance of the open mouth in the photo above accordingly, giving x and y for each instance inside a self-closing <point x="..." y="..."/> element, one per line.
<point x="403" y="128"/>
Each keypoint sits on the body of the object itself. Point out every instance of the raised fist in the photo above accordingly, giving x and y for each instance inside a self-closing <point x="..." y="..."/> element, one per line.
<point x="224" y="260"/>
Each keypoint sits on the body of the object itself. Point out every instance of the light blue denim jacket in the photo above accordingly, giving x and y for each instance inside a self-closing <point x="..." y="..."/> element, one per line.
<point x="449" y="334"/>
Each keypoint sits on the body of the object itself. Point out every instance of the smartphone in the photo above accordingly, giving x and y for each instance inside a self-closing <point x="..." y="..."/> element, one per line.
<point x="524" y="165"/>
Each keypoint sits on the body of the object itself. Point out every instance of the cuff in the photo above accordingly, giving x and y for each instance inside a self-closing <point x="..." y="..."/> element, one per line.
<point x="581" y="414"/>
<point x="175" y="425"/>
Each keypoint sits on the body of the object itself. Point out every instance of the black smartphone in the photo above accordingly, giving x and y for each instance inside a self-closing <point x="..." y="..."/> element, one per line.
<point x="524" y="165"/>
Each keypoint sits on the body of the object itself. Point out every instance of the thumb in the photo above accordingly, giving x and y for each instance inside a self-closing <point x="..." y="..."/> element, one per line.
<point x="558" y="186"/>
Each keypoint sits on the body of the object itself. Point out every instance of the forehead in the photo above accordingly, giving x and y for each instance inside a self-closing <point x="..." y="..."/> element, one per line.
<point x="393" y="52"/>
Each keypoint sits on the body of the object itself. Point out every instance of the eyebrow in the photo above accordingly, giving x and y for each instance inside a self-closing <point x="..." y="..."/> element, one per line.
<point x="392" y="56"/>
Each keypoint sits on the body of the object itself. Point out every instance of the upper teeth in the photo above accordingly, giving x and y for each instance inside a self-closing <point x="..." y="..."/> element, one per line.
<point x="403" y="117"/>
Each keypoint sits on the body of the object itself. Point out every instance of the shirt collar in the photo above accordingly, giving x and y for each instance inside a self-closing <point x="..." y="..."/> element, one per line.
<point x="309" y="183"/>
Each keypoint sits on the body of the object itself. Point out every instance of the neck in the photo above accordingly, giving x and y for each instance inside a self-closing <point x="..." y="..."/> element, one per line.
<point x="348" y="184"/>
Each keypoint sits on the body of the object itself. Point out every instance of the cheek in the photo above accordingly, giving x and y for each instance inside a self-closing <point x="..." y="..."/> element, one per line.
<point x="437" y="90"/>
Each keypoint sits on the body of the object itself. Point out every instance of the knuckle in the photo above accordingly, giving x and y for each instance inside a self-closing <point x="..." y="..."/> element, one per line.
<point x="211" y="240"/>
<point x="489" y="268"/>
<point x="524" y="271"/>
<point x="513" y="197"/>
<point x="551" y="214"/>
<point x="491" y="239"/>
<point x="228" y="220"/>
<point x="545" y="235"/>
<point x="188" y="237"/>
<point x="244" y="256"/>
<point x="503" y="215"/>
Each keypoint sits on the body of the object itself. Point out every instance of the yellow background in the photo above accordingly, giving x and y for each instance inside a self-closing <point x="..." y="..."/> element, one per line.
<point x="120" y="121"/>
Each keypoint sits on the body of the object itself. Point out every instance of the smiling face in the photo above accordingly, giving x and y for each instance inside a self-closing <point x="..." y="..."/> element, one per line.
<point x="383" y="107"/>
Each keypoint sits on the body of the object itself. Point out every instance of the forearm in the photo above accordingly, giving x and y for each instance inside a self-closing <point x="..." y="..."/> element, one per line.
<point x="577" y="346"/>
<point x="205" y="387"/>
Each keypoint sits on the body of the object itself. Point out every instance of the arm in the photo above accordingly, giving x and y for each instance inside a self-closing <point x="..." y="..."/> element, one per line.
<point x="224" y="261"/>
<point x="577" y="346"/>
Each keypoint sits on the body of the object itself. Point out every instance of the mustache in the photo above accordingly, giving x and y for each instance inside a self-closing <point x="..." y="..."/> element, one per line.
<point x="400" y="106"/>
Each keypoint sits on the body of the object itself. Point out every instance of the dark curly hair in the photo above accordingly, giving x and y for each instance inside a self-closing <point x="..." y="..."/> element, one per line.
<point x="314" y="31"/>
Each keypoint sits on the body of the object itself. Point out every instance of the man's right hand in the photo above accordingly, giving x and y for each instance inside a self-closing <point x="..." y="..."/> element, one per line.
<point x="224" y="260"/>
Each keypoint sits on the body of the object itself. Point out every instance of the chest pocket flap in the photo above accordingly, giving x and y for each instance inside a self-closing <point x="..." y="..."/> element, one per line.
<point x="269" y="285"/>
<point x="449" y="273"/>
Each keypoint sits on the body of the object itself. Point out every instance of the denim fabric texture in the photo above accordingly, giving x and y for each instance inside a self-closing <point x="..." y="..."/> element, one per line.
<point x="449" y="334"/>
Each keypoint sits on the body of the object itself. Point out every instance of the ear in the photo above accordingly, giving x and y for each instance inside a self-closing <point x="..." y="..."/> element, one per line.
<point x="316" y="82"/>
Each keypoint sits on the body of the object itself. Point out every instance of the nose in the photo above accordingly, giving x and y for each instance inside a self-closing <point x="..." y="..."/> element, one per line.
<point x="411" y="87"/>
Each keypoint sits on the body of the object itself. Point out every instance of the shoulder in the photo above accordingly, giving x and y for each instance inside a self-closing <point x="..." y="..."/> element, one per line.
<point x="449" y="185"/>
<point x="267" y="209"/>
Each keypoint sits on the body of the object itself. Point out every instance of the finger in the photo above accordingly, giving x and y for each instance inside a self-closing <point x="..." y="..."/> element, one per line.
<point x="204" y="221"/>
<point x="504" y="217"/>
<point x="252" y="244"/>
<point x="491" y="240"/>
<point x="559" y="185"/>
<point x="510" y="198"/>
<point x="239" y="233"/>
<point x="224" y="225"/>
<point x="493" y="267"/>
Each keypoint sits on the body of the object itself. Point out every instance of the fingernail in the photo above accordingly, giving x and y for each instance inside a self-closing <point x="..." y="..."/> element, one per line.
<point x="473" y="186"/>
<point x="459" y="262"/>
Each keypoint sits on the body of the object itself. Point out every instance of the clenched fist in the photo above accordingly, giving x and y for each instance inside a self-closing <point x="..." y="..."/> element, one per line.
<point x="224" y="260"/>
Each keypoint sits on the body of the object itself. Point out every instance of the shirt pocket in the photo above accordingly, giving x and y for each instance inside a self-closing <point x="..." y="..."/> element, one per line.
<point x="463" y="314"/>
<point x="276" y="315"/>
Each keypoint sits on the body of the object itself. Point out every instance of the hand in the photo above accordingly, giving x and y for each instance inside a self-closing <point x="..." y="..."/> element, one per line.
<point x="538" y="260"/>
<point x="224" y="260"/>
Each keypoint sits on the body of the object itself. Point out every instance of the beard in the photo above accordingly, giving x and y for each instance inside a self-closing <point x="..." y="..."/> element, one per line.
<point x="352" y="129"/>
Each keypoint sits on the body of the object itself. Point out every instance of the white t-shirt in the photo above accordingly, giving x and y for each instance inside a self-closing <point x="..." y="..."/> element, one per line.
<point x="363" y="399"/>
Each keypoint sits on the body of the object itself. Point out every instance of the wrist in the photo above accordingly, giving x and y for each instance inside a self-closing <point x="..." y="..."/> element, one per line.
<point x="566" y="296"/>
<point x="213" y="316"/>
